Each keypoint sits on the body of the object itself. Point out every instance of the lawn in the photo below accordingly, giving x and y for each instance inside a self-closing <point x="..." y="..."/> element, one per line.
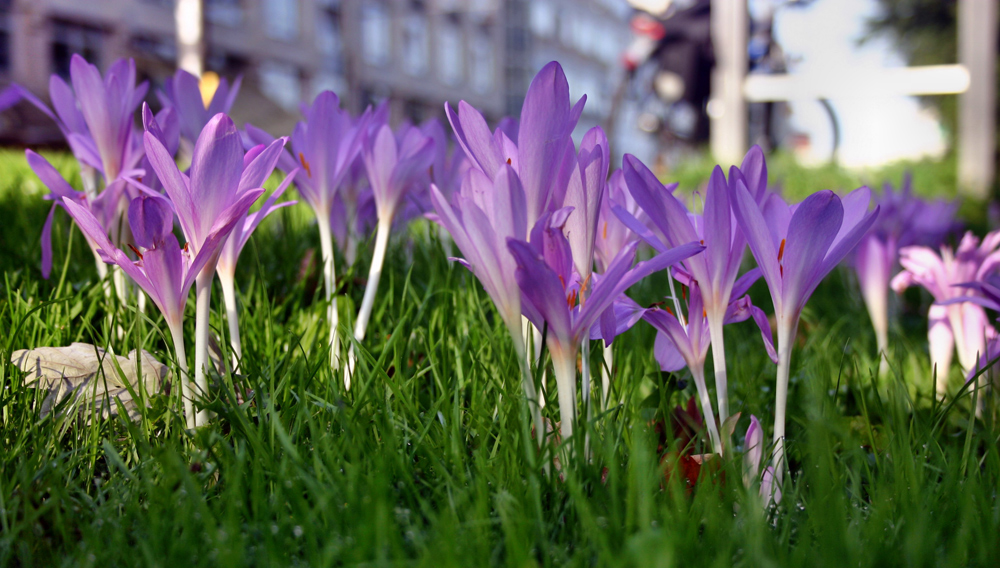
<point x="428" y="459"/>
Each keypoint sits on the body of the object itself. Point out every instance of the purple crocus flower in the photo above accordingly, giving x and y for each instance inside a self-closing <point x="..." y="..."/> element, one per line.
<point x="103" y="206"/>
<point x="96" y="115"/>
<point x="681" y="343"/>
<point x="550" y="294"/>
<point x="394" y="166"/>
<point x="325" y="146"/>
<point x="164" y="270"/>
<point x="753" y="445"/>
<point x="483" y="215"/>
<point x="795" y="248"/>
<point x="543" y="147"/>
<point x="716" y="270"/>
<point x="905" y="220"/>
<point x="182" y="92"/>
<point x="214" y="190"/>
<point x="953" y="321"/>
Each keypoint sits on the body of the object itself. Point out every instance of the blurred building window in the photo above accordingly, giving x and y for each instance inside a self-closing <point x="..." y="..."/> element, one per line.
<point x="327" y="82"/>
<point x="375" y="30"/>
<point x="542" y="18"/>
<point x="280" y="82"/>
<point x="328" y="37"/>
<point x="69" y="38"/>
<point x="415" y="38"/>
<point x="449" y="45"/>
<point x="483" y="65"/>
<point x="281" y="19"/>
<point x="155" y="47"/>
<point x="224" y="12"/>
<point x="5" y="29"/>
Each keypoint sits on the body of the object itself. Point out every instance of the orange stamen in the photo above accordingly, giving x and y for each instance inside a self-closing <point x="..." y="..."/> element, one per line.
<point x="186" y="247"/>
<point x="508" y="161"/>
<point x="571" y="299"/>
<point x="605" y="230"/>
<point x="781" y="250"/>
<point x="136" y="251"/>
<point x="305" y="164"/>
<point x="669" y="311"/>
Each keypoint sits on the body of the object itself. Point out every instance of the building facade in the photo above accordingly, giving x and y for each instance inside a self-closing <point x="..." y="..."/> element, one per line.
<point x="416" y="53"/>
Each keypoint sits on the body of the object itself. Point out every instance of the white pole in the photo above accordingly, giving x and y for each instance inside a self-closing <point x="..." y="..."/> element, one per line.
<point x="189" y="17"/>
<point x="977" y="41"/>
<point x="726" y="108"/>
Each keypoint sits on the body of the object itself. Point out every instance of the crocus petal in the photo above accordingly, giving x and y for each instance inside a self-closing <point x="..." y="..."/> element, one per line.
<point x="216" y="165"/>
<point x="753" y="445"/>
<point x="474" y="136"/>
<point x="666" y="354"/>
<point x="50" y="176"/>
<point x="174" y="183"/>
<point x="755" y="229"/>
<point x="811" y="231"/>
<point x="540" y="286"/>
<point x="150" y="220"/>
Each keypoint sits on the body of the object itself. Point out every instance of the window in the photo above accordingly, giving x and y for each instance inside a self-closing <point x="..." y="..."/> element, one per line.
<point x="450" y="60"/>
<point x="281" y="19"/>
<point x="542" y="19"/>
<point x="281" y="83"/>
<point x="5" y="28"/>
<point x="329" y="40"/>
<point x="224" y="12"/>
<point x="375" y="33"/>
<point x="414" y="44"/>
<point x="483" y="65"/>
<point x="69" y="38"/>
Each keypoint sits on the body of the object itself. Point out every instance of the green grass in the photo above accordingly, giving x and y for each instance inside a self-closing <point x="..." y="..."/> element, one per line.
<point x="428" y="459"/>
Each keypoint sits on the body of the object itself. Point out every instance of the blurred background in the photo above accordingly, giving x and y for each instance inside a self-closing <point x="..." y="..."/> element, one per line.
<point x="860" y="84"/>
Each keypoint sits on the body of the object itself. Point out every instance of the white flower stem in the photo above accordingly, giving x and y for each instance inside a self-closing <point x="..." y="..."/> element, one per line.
<point x="203" y="294"/>
<point x="719" y="362"/>
<point x="564" y="365"/>
<point x="698" y="371"/>
<point x="877" y="301"/>
<point x="528" y="383"/>
<point x="329" y="285"/>
<point x="177" y="333"/>
<point x="228" y="281"/>
<point x="787" y="327"/>
<point x="368" y="302"/>
<point x="606" y="377"/>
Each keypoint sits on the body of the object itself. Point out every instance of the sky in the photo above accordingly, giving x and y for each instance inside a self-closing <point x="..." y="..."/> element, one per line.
<point x="875" y="130"/>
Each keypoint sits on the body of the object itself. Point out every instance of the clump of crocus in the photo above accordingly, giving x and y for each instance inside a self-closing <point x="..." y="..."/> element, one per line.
<point x="218" y="188"/>
<point x="394" y="165"/>
<point x="715" y="271"/>
<point x="953" y="322"/>
<point x="163" y="269"/>
<point x="683" y="340"/>
<point x="905" y="220"/>
<point x="480" y="218"/>
<point x="96" y="118"/>
<point x="325" y="146"/>
<point x="551" y="296"/>
<point x="795" y="248"/>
